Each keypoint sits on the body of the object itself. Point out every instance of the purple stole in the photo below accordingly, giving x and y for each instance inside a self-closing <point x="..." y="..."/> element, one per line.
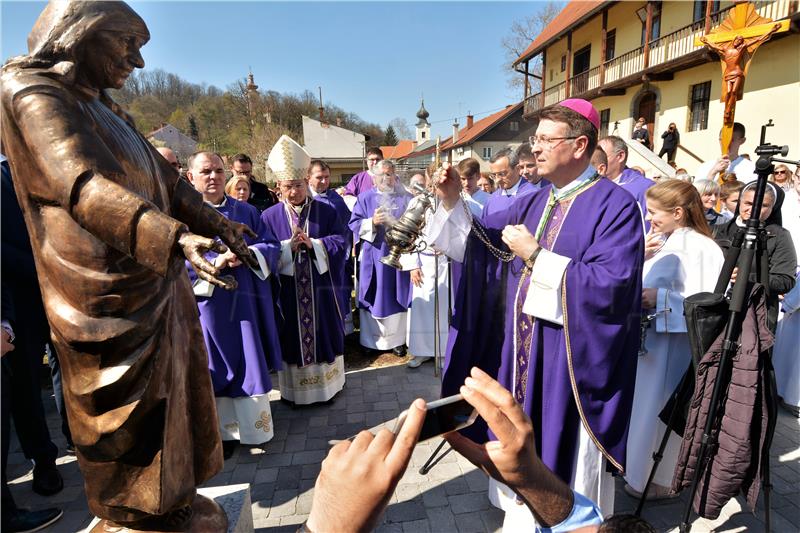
<point x="304" y="289"/>
<point x="546" y="233"/>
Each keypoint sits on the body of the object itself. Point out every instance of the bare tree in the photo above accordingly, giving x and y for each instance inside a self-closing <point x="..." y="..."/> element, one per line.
<point x="519" y="37"/>
<point x="402" y="128"/>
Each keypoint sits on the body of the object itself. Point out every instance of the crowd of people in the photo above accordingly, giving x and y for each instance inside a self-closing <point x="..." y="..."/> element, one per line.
<point x="561" y="272"/>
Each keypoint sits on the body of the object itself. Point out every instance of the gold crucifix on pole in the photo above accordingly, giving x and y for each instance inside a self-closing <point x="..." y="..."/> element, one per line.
<point x="735" y="40"/>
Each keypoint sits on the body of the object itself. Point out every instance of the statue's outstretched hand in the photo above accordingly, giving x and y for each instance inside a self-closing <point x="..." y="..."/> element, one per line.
<point x="232" y="233"/>
<point x="193" y="247"/>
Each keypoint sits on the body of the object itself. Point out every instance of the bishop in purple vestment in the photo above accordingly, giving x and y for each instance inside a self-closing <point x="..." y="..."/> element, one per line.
<point x="239" y="327"/>
<point x="562" y="332"/>
<point x="313" y="255"/>
<point x="384" y="293"/>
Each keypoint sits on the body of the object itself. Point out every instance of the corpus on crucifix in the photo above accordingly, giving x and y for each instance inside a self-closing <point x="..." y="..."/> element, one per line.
<point x="735" y="40"/>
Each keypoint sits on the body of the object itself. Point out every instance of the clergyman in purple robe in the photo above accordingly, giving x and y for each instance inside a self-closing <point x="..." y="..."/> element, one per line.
<point x="631" y="180"/>
<point x="311" y="266"/>
<point x="239" y="327"/>
<point x="384" y="293"/>
<point x="319" y="181"/>
<point x="364" y="180"/>
<point x="562" y="331"/>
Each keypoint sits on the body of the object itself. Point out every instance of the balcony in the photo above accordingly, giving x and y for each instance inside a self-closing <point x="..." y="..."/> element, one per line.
<point x="673" y="51"/>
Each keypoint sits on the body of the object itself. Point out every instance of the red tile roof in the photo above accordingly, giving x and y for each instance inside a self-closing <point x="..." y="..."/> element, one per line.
<point x="479" y="127"/>
<point x="575" y="11"/>
<point x="402" y="149"/>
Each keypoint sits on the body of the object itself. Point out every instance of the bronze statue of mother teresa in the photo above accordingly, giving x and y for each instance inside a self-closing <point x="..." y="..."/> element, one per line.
<point x="111" y="224"/>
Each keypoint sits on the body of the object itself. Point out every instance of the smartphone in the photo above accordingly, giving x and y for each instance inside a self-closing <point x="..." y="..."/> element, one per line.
<point x="443" y="416"/>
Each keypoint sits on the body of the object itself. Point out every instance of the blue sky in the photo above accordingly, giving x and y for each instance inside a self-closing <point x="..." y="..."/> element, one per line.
<point x="371" y="58"/>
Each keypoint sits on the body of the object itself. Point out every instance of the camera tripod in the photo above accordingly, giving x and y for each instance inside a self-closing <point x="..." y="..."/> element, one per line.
<point x="748" y="245"/>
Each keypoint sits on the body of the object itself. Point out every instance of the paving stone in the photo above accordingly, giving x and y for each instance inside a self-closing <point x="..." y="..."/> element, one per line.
<point x="441" y="519"/>
<point x="266" y="475"/>
<point x="262" y="492"/>
<point x="318" y="421"/>
<point x="416" y="526"/>
<point x="467" y="503"/>
<point x="493" y="519"/>
<point x="309" y="471"/>
<point x="295" y="443"/>
<point x="284" y="503"/>
<point x="477" y="481"/>
<point x="275" y="459"/>
<point x="469" y="523"/>
<point x="244" y="473"/>
<point x="288" y="478"/>
<point x="405" y="511"/>
<point x="309" y="458"/>
<point x="304" y="503"/>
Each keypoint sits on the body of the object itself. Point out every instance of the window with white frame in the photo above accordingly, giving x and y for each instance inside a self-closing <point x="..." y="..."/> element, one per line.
<point x="487" y="152"/>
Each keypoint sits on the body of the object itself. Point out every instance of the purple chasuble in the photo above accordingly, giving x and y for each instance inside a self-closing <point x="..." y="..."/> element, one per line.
<point x="584" y="370"/>
<point x="239" y="326"/>
<point x="359" y="183"/>
<point x="382" y="290"/>
<point x="321" y="314"/>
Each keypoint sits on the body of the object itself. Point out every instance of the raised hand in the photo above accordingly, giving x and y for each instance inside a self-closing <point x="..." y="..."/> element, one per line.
<point x="193" y="247"/>
<point x="449" y="185"/>
<point x="358" y="478"/>
<point x="512" y="459"/>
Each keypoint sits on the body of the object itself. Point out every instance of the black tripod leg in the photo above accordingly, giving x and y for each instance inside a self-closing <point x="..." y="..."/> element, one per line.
<point x="433" y="460"/>
<point x="657" y="456"/>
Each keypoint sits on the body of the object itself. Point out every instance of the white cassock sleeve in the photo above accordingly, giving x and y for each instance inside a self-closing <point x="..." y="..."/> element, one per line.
<point x="544" y="293"/>
<point x="669" y="306"/>
<point x="320" y="256"/>
<point x="263" y="268"/>
<point x="285" y="264"/>
<point x="448" y="231"/>
<point x="367" y="231"/>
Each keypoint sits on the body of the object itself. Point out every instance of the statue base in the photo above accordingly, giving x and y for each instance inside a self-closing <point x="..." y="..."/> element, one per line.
<point x="225" y="509"/>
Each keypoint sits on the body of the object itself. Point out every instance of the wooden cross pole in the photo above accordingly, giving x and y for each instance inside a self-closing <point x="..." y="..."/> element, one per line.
<point x="735" y="40"/>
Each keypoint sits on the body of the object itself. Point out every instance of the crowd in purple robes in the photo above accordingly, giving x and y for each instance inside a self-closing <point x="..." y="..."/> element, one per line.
<point x="382" y="290"/>
<point x="333" y="199"/>
<point x="328" y="309"/>
<point x="594" y="353"/>
<point x="239" y="326"/>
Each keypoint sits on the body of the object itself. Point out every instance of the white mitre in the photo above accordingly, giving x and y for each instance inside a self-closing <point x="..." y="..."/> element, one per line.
<point x="288" y="160"/>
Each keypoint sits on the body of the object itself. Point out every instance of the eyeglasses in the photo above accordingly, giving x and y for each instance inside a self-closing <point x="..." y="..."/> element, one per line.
<point x="495" y="175"/>
<point x="548" y="143"/>
<point x="780" y="172"/>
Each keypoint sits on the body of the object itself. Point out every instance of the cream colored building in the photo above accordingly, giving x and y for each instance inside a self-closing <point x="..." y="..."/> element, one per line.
<point x="597" y="50"/>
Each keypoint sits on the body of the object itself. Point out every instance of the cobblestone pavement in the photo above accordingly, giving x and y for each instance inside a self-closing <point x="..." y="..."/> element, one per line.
<point x="452" y="497"/>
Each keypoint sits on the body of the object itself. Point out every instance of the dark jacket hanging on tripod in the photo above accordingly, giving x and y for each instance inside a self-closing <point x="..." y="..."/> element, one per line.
<point x="781" y="255"/>
<point x="745" y="419"/>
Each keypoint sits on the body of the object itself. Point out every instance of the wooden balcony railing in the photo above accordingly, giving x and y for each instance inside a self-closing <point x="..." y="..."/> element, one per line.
<point x="585" y="81"/>
<point x="555" y="94"/>
<point x="532" y="104"/>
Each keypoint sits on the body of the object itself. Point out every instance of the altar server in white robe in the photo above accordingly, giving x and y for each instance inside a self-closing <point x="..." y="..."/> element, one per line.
<point x="681" y="259"/>
<point x="422" y="318"/>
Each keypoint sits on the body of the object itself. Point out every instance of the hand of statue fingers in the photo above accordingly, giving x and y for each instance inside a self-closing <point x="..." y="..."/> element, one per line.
<point x="225" y="282"/>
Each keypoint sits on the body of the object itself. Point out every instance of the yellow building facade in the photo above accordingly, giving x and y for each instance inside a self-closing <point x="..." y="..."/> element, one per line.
<point x="600" y="51"/>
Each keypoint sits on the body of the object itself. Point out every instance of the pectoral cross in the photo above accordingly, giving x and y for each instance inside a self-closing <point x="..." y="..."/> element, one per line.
<point x="735" y="40"/>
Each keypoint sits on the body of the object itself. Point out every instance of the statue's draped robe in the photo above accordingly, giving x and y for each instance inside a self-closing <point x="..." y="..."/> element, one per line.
<point x="314" y="300"/>
<point x="241" y="333"/>
<point x="104" y="209"/>
<point x="579" y="374"/>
